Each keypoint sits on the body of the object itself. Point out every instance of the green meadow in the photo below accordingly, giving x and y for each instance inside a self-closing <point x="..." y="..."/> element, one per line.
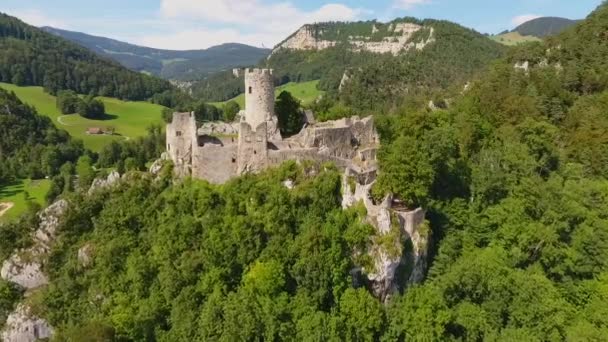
<point x="128" y="119"/>
<point x="19" y="193"/>
<point x="514" y="38"/>
<point x="306" y="92"/>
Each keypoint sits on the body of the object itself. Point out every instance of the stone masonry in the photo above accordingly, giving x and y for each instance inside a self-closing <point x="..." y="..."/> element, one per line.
<point x="217" y="152"/>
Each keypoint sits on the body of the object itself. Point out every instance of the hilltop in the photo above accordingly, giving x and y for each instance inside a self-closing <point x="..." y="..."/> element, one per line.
<point x="412" y="53"/>
<point x="169" y="64"/>
<point x="534" y="30"/>
<point x="544" y="26"/>
<point x="33" y="57"/>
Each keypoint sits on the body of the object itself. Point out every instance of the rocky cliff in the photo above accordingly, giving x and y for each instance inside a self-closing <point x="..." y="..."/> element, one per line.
<point x="396" y="38"/>
<point x="400" y="246"/>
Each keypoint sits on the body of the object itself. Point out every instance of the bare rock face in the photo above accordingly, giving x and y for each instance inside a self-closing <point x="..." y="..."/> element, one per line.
<point x="85" y="255"/>
<point x="219" y="128"/>
<point x="158" y="163"/>
<point x="25" y="267"/>
<point x="289" y="184"/>
<point x="400" y="40"/>
<point x="391" y="257"/>
<point x="22" y="326"/>
<point x="24" y="271"/>
<point x="100" y="183"/>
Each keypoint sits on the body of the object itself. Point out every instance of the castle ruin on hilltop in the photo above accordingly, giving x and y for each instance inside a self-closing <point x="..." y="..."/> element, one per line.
<point x="217" y="152"/>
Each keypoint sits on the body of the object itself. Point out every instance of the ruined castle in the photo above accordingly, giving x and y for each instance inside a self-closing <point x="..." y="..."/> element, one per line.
<point x="219" y="151"/>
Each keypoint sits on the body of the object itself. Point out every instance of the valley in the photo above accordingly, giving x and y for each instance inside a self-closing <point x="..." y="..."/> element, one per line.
<point x="129" y="119"/>
<point x="412" y="179"/>
<point x="306" y="92"/>
<point x="14" y="197"/>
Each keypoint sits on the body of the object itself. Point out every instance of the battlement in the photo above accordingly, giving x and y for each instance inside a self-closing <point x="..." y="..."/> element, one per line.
<point x="258" y="71"/>
<point x="181" y="118"/>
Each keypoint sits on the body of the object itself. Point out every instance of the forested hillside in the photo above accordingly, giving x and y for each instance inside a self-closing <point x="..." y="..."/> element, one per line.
<point x="30" y="145"/>
<point x="30" y="56"/>
<point x="544" y="26"/>
<point x="452" y="56"/>
<point x="169" y="64"/>
<point x="512" y="172"/>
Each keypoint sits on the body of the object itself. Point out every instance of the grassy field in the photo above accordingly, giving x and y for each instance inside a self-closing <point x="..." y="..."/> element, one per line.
<point x="129" y="119"/>
<point x="306" y="92"/>
<point x="514" y="38"/>
<point x="16" y="194"/>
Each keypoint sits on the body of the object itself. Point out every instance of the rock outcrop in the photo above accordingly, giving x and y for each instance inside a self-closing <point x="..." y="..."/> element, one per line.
<point x="400" y="259"/>
<point x="22" y="326"/>
<point x="400" y="39"/>
<point x="158" y="163"/>
<point x="103" y="183"/>
<point x="25" y="267"/>
<point x="85" y="255"/>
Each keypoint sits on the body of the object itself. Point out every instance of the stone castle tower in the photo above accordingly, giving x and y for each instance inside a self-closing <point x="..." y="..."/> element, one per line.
<point x="218" y="151"/>
<point x="259" y="96"/>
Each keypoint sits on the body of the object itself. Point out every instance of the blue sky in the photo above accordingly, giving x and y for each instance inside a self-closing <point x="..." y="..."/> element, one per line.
<point x="193" y="24"/>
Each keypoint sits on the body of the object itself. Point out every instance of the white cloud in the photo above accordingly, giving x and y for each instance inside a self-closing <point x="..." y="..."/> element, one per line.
<point x="37" y="18"/>
<point x="254" y="12"/>
<point x="204" y="38"/>
<point x="520" y="19"/>
<point x="409" y="4"/>
<point x="254" y="22"/>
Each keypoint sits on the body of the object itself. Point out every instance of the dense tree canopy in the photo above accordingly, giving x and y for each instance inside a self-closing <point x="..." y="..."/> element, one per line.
<point x="512" y="172"/>
<point x="30" y="145"/>
<point x="30" y="56"/>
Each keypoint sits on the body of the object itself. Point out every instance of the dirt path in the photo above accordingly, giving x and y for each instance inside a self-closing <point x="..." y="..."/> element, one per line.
<point x="59" y="119"/>
<point x="5" y="206"/>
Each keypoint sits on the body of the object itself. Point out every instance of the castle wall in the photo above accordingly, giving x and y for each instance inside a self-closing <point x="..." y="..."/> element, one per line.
<point x="252" y="148"/>
<point x="180" y="134"/>
<point x="280" y="156"/>
<point x="216" y="160"/>
<point x="259" y="96"/>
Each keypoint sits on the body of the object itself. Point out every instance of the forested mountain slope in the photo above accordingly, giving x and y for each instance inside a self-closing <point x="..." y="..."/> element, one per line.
<point x="381" y="59"/>
<point x="544" y="26"/>
<point x="30" y="145"/>
<point x="169" y="64"/>
<point x="30" y="56"/>
<point x="512" y="173"/>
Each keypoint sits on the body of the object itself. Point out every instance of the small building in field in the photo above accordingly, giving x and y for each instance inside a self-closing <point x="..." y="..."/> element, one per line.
<point x="95" y="130"/>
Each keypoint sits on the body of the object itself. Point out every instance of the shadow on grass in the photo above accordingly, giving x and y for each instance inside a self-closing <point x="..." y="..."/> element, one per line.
<point x="105" y="117"/>
<point x="12" y="189"/>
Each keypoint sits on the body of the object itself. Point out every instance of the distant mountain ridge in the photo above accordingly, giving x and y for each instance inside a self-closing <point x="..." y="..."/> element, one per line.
<point x="31" y="56"/>
<point x="544" y="26"/>
<point x="169" y="64"/>
<point x="369" y="61"/>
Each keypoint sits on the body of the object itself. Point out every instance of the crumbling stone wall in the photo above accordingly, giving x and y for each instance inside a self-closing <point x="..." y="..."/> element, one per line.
<point x="252" y="148"/>
<point x="181" y="134"/>
<point x="259" y="96"/>
<point x="215" y="158"/>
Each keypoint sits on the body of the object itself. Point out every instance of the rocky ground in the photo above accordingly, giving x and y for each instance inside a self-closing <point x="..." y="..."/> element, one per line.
<point x="5" y="206"/>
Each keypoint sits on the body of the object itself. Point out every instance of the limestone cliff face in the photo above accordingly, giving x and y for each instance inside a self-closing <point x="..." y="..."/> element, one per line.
<point x="399" y="40"/>
<point x="23" y="326"/>
<point x="399" y="249"/>
<point x="25" y="268"/>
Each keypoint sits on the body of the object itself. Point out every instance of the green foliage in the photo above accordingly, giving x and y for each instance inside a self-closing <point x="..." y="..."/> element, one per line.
<point x="138" y="151"/>
<point x="91" y="108"/>
<point x="193" y="261"/>
<point x="9" y="295"/>
<point x="231" y="109"/>
<point x="85" y="172"/>
<point x="30" y="56"/>
<point x="67" y="102"/>
<point x="30" y="145"/>
<point x="288" y="113"/>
